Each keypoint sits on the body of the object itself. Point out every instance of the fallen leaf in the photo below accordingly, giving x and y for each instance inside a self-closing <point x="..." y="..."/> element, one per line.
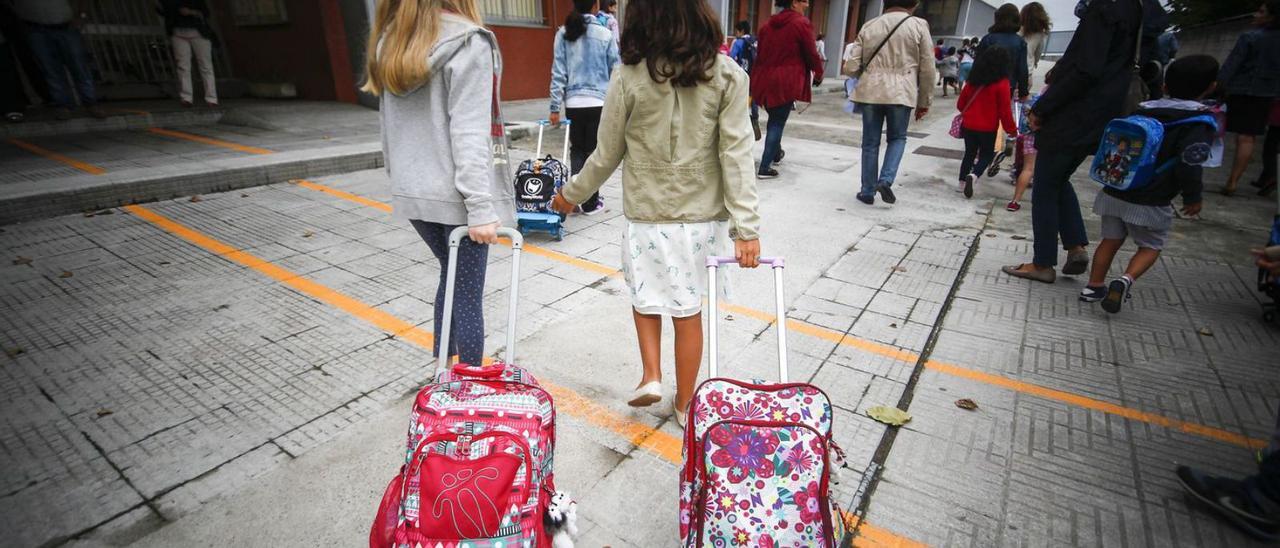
<point x="308" y="234"/>
<point x="244" y="195"/>
<point x="1206" y="331"/>
<point x="728" y="317"/>
<point x="1018" y="237"/>
<point x="162" y="263"/>
<point x="839" y="209"/>
<point x="898" y="268"/>
<point x="14" y="352"/>
<point x="990" y="235"/>
<point x="221" y="307"/>
<point x="889" y="415"/>
<point x="66" y="274"/>
<point x="104" y="412"/>
<point x="196" y="198"/>
<point x="966" y="403"/>
<point x="22" y="260"/>
<point x="893" y="325"/>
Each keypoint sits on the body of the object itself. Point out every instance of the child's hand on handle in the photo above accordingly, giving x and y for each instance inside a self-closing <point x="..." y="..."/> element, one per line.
<point x="747" y="252"/>
<point x="555" y="119"/>
<point x="921" y="112"/>
<point x="561" y="205"/>
<point x="484" y="234"/>
<point x="1191" y="210"/>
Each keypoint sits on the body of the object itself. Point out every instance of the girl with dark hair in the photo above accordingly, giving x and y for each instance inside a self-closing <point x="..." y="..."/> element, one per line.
<point x="585" y="54"/>
<point x="984" y="105"/>
<point x="1251" y="77"/>
<point x="1035" y="32"/>
<point x="787" y="55"/>
<point x="677" y="113"/>
<point x="1004" y="33"/>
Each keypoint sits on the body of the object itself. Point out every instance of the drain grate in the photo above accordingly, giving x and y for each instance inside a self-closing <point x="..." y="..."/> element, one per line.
<point x="948" y="153"/>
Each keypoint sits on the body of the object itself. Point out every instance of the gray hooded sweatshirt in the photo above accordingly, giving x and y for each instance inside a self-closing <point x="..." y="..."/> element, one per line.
<point x="443" y="142"/>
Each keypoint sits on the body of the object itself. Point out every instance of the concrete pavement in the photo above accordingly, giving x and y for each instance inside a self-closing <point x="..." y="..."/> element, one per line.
<point x="237" y="369"/>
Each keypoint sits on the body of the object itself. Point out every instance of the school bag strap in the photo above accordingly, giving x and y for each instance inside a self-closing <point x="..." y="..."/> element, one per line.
<point x="867" y="62"/>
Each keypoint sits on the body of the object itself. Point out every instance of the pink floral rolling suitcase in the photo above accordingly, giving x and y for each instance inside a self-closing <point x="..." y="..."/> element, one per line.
<point x="757" y="457"/>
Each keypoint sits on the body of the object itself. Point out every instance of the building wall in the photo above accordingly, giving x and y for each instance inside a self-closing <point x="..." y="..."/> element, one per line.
<point x="1214" y="39"/>
<point x="295" y="51"/>
<point x="526" y="59"/>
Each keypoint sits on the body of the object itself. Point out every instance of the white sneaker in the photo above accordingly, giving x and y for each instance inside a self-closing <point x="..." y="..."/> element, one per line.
<point x="648" y="394"/>
<point x="678" y="414"/>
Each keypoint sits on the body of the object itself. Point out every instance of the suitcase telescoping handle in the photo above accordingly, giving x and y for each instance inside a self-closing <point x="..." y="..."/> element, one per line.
<point x="565" y="123"/>
<point x="455" y="241"/>
<point x="777" y="264"/>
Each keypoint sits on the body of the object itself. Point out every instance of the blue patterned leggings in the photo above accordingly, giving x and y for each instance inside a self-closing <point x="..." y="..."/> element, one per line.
<point x="467" y="331"/>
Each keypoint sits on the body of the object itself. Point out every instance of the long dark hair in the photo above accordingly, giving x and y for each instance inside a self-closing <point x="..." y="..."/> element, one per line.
<point x="990" y="67"/>
<point x="1034" y="19"/>
<point x="1007" y="19"/>
<point x="575" y="24"/>
<point x="677" y="40"/>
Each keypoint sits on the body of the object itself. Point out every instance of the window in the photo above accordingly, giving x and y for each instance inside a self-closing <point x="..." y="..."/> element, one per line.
<point x="942" y="16"/>
<point x="518" y="12"/>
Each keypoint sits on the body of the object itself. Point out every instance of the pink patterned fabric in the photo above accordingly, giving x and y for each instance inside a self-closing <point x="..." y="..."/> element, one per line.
<point x="469" y="415"/>
<point x="756" y="469"/>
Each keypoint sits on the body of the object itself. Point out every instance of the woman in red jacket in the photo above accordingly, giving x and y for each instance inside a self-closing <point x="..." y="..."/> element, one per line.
<point x="984" y="105"/>
<point x="787" y="53"/>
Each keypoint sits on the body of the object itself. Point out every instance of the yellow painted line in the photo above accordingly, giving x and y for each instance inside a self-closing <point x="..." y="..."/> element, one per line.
<point x="209" y="141"/>
<point x="82" y="166"/>
<point x="646" y="437"/>
<point x="912" y="357"/>
<point x="529" y="248"/>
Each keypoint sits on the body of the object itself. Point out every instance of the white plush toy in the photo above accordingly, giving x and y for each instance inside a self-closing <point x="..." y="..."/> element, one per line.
<point x="562" y="520"/>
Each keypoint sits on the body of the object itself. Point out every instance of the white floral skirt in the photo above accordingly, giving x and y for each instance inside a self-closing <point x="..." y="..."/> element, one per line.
<point x="665" y="265"/>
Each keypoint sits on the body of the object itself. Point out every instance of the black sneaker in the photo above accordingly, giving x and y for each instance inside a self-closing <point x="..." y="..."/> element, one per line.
<point x="767" y="174"/>
<point x="1230" y="499"/>
<point x="1117" y="294"/>
<point x="599" y="206"/>
<point x="969" y="180"/>
<point x="868" y="199"/>
<point x="781" y="154"/>
<point x="1093" y="293"/>
<point x="886" y="194"/>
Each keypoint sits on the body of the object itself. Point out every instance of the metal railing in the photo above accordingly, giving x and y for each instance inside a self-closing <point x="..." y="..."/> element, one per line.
<point x="127" y="43"/>
<point x="519" y="12"/>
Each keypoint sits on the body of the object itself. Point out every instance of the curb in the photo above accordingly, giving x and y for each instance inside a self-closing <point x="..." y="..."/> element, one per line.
<point x="46" y="199"/>
<point x="121" y="121"/>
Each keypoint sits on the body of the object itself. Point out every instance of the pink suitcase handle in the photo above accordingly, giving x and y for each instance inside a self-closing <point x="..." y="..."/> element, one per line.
<point x="721" y="260"/>
<point x="778" y="264"/>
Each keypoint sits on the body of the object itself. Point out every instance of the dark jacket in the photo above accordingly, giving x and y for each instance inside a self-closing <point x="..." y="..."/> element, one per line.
<point x="1017" y="48"/>
<point x="1182" y="178"/>
<point x="786" y="53"/>
<point x="174" y="20"/>
<point x="1091" y="80"/>
<point x="1253" y="66"/>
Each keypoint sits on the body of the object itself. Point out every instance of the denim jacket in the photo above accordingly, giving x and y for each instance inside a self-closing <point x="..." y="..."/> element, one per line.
<point x="1253" y="66"/>
<point x="583" y="66"/>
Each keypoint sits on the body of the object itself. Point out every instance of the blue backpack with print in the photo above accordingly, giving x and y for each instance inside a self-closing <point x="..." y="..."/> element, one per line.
<point x="1128" y="155"/>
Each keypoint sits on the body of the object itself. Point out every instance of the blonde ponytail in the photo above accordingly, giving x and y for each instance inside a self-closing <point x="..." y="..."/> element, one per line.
<point x="404" y="31"/>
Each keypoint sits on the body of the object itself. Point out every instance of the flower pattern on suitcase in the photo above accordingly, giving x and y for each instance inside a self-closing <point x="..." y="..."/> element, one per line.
<point x="756" y="495"/>
<point x="755" y="466"/>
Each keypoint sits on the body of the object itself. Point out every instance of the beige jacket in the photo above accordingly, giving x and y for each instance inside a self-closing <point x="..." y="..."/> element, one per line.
<point x="903" y="72"/>
<point x="687" y="149"/>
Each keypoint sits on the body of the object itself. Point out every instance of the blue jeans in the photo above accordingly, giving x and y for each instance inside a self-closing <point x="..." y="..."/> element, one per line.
<point x="773" y="138"/>
<point x="874" y="118"/>
<point x="60" y="51"/>
<point x="1055" y="210"/>
<point x="466" y="334"/>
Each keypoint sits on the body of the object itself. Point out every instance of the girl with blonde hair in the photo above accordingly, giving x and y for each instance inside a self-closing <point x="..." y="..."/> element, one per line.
<point x="436" y="70"/>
